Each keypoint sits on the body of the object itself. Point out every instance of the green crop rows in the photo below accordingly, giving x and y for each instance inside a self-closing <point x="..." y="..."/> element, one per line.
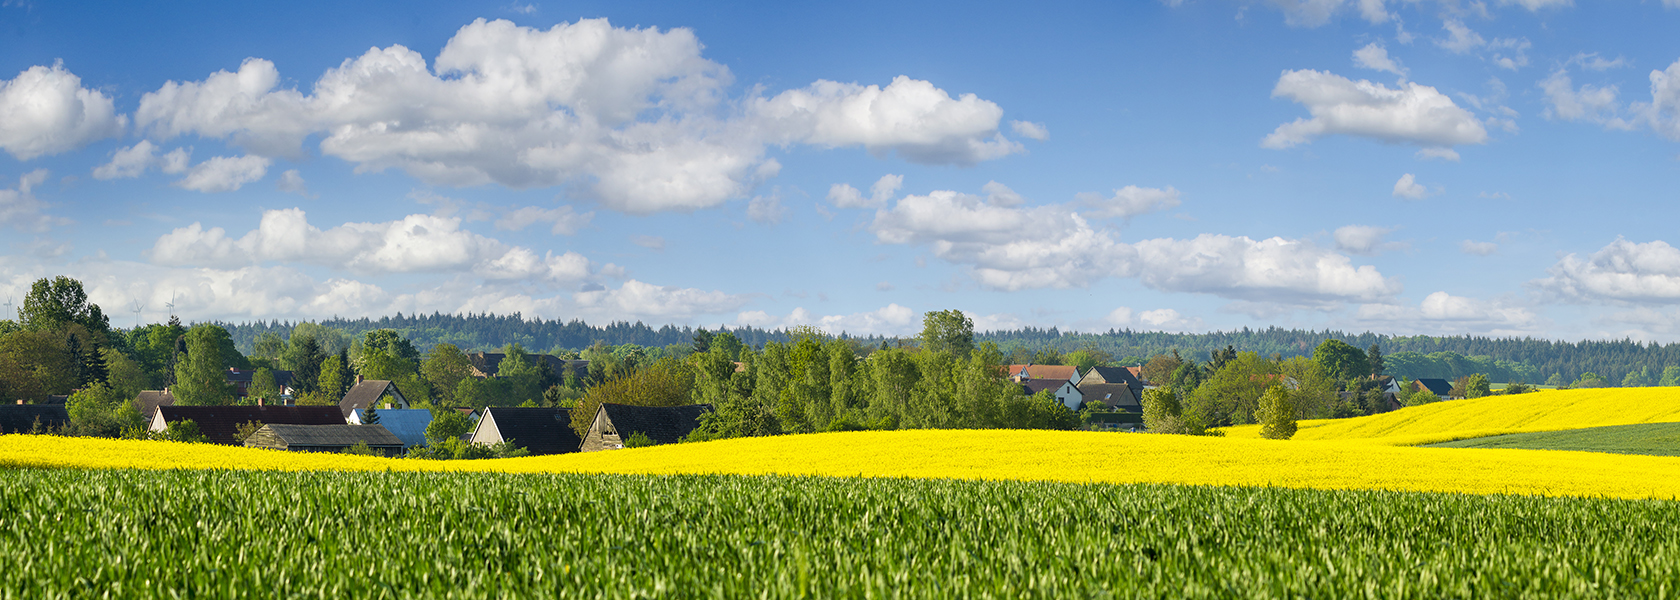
<point x="195" y="534"/>
<point x="1658" y="439"/>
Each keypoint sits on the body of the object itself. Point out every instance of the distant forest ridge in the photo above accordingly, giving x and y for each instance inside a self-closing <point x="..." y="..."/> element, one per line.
<point x="1503" y="359"/>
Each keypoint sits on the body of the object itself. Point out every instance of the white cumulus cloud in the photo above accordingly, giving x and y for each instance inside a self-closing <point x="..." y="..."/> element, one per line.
<point x="1028" y="129"/>
<point x="1128" y="202"/>
<point x="639" y="300"/>
<point x="1363" y="239"/>
<point x="414" y="244"/>
<point x="891" y="320"/>
<point x="1411" y="113"/>
<point x="1375" y="57"/>
<point x="565" y="219"/>
<point x="46" y="111"/>
<point x="1622" y="271"/>
<point x="1441" y="312"/>
<point x="1014" y="248"/>
<point x="636" y="119"/>
<point x="1407" y="187"/>
<point x="224" y="173"/>
<point x="20" y="208"/>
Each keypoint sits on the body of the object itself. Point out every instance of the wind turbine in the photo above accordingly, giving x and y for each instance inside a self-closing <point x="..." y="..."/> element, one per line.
<point x="8" y="304"/>
<point x="171" y="303"/>
<point x="138" y="308"/>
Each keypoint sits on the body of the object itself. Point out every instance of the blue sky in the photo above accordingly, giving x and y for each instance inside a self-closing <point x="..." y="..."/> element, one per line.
<point x="1503" y="168"/>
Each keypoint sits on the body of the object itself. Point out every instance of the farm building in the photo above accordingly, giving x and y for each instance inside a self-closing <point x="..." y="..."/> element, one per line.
<point x="615" y="423"/>
<point x="23" y="418"/>
<point x="1064" y="390"/>
<point x="1440" y="387"/>
<point x="1117" y="396"/>
<point x="539" y="430"/>
<point x="409" y="425"/>
<point x="148" y="401"/>
<point x="1022" y="373"/>
<point x="221" y="423"/>
<point x="488" y="364"/>
<point x="325" y="438"/>
<point x="1113" y="375"/>
<point x="371" y="392"/>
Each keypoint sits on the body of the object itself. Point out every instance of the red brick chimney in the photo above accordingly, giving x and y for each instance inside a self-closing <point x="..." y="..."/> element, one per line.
<point x="259" y="402"/>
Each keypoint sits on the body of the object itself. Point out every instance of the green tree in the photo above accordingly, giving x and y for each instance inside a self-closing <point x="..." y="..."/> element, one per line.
<point x="1477" y="386"/>
<point x="948" y="331"/>
<point x="305" y="358"/>
<point x="333" y="375"/>
<point x="445" y="367"/>
<point x="1276" y="414"/>
<point x="1589" y="379"/>
<point x="95" y="411"/>
<point x="1556" y="380"/>
<point x="201" y="378"/>
<point x="664" y="383"/>
<point x="702" y="341"/>
<point x="263" y="386"/>
<point x="1518" y="387"/>
<point x="1374" y="358"/>
<point x="1160" y="368"/>
<point x="447" y="424"/>
<point x="53" y="303"/>
<point x="268" y="345"/>
<point x="1670" y="376"/>
<point x="1162" y="413"/>
<point x="1341" y="361"/>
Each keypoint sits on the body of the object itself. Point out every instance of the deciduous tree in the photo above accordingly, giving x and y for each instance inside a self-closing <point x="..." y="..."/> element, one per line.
<point x="1276" y="414"/>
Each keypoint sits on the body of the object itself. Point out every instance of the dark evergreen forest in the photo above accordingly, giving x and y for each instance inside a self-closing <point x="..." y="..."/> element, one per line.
<point x="1529" y="359"/>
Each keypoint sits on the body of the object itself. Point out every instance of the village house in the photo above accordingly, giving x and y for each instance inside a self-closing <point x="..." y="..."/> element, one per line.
<point x="1066" y="393"/>
<point x="487" y="364"/>
<point x="221" y="423"/>
<point x="241" y="380"/>
<point x="1440" y="387"/>
<point x="538" y="430"/>
<point x="1117" y="396"/>
<point x="1114" y="375"/>
<point x="371" y="392"/>
<point x="1021" y="373"/>
<point x="147" y="401"/>
<point x="325" y="438"/>
<point x="615" y="424"/>
<point x="24" y="418"/>
<point x="409" y="425"/>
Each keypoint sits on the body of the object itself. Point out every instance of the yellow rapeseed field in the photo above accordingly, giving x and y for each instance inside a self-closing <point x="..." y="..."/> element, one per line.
<point x="1066" y="456"/>
<point x="1495" y="415"/>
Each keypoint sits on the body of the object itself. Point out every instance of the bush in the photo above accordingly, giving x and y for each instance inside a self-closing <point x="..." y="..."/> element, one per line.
<point x="639" y="440"/>
<point x="456" y="449"/>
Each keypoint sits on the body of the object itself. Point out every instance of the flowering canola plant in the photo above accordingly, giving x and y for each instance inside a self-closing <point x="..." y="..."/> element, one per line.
<point x="1495" y="415"/>
<point x="1065" y="456"/>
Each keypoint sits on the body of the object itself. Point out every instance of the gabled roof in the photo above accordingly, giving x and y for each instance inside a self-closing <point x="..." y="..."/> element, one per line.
<point x="221" y="423"/>
<point x="540" y="430"/>
<point x="1065" y="372"/>
<point x="662" y="424"/>
<point x="486" y="364"/>
<point x="1116" y="375"/>
<point x="1035" y="386"/>
<point x="281" y="378"/>
<point x="1440" y="387"/>
<point x="365" y="394"/>
<point x="409" y="425"/>
<point x="1116" y="395"/>
<point x="331" y="435"/>
<point x="148" y="401"/>
<point x="20" y="418"/>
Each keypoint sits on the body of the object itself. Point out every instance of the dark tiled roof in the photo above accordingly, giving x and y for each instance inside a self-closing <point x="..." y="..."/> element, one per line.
<point x="281" y="378"/>
<point x="148" y="401"/>
<point x="1117" y="375"/>
<point x="540" y="430"/>
<point x="331" y="436"/>
<point x="1115" y="395"/>
<point x="487" y="363"/>
<point x="1034" y="386"/>
<point x="220" y="423"/>
<point x="363" y="395"/>
<point x="1441" y="387"/>
<point x="662" y="424"/>
<point x="20" y="418"/>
